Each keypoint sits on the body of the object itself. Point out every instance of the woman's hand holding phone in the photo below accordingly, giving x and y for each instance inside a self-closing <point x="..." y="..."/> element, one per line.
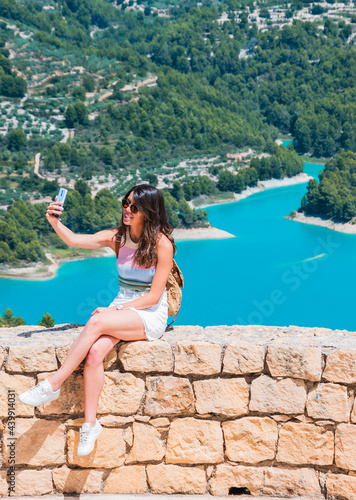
<point x="55" y="209"/>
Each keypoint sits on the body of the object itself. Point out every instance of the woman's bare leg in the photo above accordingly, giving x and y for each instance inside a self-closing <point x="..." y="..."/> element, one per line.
<point x="123" y="325"/>
<point x="94" y="375"/>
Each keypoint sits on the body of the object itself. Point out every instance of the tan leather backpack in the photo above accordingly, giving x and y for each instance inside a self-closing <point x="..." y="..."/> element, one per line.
<point x="174" y="288"/>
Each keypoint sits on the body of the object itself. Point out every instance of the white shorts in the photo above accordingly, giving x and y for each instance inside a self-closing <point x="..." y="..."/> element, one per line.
<point x="154" y="318"/>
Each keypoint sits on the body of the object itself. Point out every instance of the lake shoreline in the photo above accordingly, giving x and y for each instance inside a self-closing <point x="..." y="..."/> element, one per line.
<point x="42" y="272"/>
<point x="340" y="227"/>
<point x="200" y="233"/>
<point x="261" y="186"/>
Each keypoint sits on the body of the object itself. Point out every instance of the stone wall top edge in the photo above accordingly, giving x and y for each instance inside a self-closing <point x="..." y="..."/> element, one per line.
<point x="291" y="336"/>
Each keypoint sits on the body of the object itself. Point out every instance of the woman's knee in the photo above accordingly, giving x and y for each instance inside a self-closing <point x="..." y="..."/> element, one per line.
<point x="95" y="355"/>
<point x="95" y="323"/>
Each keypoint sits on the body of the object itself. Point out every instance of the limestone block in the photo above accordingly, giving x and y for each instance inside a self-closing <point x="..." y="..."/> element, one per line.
<point x="128" y="436"/>
<point x="283" y="418"/>
<point x="1" y="357"/>
<point x="18" y="383"/>
<point x="236" y="476"/>
<point x="250" y="439"/>
<point x="62" y="353"/>
<point x="146" y="357"/>
<point x="39" y="442"/>
<point x="278" y="396"/>
<point x="345" y="444"/>
<point x="307" y="420"/>
<point x="33" y="482"/>
<point x="40" y="357"/>
<point x="122" y="393"/>
<point x="147" y="444"/>
<point x="126" y="480"/>
<point x="224" y="396"/>
<point x="160" y="422"/>
<point x="291" y="482"/>
<point x="198" y="358"/>
<point x="109" y="450"/>
<point x="71" y="398"/>
<point x="68" y="480"/>
<point x="193" y="441"/>
<point x="4" y="492"/>
<point x="341" y="366"/>
<point x="209" y="471"/>
<point x="142" y="418"/>
<point x="113" y="421"/>
<point x="243" y="357"/>
<point x="110" y="359"/>
<point x="341" y="486"/>
<point x="329" y="401"/>
<point x="173" y="479"/>
<point x="301" y="444"/>
<point x="294" y="361"/>
<point x="169" y="395"/>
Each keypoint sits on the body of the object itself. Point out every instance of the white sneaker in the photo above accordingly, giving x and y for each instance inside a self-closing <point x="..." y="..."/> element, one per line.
<point x="88" y="436"/>
<point x="40" y="394"/>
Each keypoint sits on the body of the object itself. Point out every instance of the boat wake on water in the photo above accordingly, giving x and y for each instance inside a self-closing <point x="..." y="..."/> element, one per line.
<point x="286" y="264"/>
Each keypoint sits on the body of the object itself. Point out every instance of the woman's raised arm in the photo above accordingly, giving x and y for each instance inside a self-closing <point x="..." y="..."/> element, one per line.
<point x="101" y="239"/>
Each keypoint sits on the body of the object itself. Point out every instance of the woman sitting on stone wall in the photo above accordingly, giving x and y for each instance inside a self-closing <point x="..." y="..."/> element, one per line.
<point x="145" y="247"/>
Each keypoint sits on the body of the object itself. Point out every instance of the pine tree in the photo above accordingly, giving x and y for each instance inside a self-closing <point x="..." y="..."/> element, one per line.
<point x="46" y="321"/>
<point x="9" y="319"/>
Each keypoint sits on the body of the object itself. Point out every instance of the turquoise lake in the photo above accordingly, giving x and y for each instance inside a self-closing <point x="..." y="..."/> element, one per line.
<point x="274" y="272"/>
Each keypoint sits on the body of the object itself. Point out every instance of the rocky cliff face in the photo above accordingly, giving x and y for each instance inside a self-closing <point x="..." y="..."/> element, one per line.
<point x="202" y="410"/>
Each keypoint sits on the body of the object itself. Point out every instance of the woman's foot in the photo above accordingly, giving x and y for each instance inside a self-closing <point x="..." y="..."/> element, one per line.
<point x="40" y="394"/>
<point x="88" y="436"/>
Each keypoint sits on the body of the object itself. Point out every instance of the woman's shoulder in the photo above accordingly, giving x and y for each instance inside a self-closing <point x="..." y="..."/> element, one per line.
<point x="164" y="242"/>
<point x="112" y="233"/>
<point x="112" y="236"/>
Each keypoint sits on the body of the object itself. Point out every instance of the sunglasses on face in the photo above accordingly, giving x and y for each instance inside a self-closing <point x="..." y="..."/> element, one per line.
<point x="126" y="204"/>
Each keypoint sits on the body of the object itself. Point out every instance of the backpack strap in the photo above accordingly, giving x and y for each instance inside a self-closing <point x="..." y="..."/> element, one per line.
<point x="169" y="327"/>
<point x="117" y="243"/>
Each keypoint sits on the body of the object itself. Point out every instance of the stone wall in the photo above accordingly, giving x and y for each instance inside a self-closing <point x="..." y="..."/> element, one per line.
<point x="212" y="410"/>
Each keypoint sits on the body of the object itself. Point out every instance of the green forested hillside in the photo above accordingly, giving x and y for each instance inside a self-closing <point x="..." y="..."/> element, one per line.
<point x="308" y="88"/>
<point x="335" y="196"/>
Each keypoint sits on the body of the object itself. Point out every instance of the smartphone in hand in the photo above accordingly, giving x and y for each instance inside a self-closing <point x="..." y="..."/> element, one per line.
<point x="61" y="197"/>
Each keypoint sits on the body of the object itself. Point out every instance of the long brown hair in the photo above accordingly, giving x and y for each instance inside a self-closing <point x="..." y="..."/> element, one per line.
<point x="150" y="201"/>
